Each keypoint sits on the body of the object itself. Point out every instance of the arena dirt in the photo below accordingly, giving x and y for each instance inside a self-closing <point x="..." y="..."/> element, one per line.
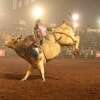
<point x="66" y="79"/>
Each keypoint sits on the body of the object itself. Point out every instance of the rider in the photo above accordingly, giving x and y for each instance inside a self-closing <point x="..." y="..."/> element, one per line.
<point x="40" y="29"/>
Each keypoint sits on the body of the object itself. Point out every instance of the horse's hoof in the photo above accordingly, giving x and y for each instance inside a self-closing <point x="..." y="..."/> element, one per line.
<point x="44" y="80"/>
<point x="23" y="80"/>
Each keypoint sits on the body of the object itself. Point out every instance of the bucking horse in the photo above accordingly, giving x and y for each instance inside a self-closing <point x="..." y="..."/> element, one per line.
<point x="30" y="49"/>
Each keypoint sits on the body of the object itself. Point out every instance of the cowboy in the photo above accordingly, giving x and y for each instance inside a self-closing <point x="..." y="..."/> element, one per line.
<point x="40" y="29"/>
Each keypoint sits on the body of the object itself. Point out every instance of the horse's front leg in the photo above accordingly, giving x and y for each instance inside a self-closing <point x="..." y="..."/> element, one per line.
<point x="28" y="73"/>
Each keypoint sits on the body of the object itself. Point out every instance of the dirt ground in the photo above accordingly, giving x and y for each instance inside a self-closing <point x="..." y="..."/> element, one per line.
<point x="66" y="79"/>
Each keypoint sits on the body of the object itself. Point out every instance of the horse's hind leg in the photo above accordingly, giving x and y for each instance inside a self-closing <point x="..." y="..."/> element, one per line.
<point x="41" y="69"/>
<point x="28" y="73"/>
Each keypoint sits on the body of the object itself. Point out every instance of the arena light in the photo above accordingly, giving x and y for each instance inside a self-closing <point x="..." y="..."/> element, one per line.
<point x="75" y="25"/>
<point x="37" y="12"/>
<point x="75" y="17"/>
<point x="98" y="21"/>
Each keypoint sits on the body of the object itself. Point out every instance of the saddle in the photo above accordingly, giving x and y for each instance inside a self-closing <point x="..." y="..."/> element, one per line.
<point x="32" y="41"/>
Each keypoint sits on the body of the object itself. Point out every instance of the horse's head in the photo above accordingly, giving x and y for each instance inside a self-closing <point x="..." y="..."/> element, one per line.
<point x="12" y="41"/>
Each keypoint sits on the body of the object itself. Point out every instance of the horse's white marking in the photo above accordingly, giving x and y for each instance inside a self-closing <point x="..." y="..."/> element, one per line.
<point x="28" y="73"/>
<point x="36" y="49"/>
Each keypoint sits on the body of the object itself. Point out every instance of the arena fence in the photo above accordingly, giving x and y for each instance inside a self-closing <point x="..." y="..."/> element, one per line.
<point x="66" y="53"/>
